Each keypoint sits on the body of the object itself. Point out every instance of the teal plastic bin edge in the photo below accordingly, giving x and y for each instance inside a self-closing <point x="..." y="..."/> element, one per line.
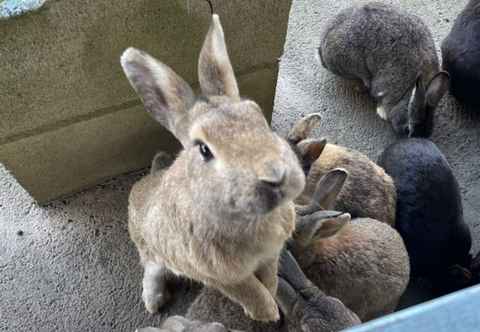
<point x="13" y="8"/>
<point x="457" y="312"/>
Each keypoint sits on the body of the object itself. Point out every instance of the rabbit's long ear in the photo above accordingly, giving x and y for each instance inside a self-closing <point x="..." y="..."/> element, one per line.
<point x="293" y="286"/>
<point x="320" y="224"/>
<point x="165" y="95"/>
<point x="329" y="187"/>
<point x="302" y="129"/>
<point x="215" y="71"/>
<point x="310" y="149"/>
<point x="437" y="87"/>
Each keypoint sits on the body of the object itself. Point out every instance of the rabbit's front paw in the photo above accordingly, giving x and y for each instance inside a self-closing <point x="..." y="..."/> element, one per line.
<point x="154" y="301"/>
<point x="265" y="313"/>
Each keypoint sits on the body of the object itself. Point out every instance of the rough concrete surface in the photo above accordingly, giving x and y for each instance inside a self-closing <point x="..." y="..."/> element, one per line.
<point x="70" y="266"/>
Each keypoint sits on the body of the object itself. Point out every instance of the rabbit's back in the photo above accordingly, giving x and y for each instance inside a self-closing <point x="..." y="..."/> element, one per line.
<point x="365" y="265"/>
<point x="138" y="200"/>
<point x="429" y="207"/>
<point x="365" y="41"/>
<point x="461" y="55"/>
<point x="368" y="190"/>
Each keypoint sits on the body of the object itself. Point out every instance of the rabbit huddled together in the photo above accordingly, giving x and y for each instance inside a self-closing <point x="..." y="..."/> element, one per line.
<point x="321" y="230"/>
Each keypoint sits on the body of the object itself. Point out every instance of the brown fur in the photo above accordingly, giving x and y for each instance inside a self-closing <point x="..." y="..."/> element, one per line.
<point x="220" y="214"/>
<point x="368" y="192"/>
<point x="365" y="265"/>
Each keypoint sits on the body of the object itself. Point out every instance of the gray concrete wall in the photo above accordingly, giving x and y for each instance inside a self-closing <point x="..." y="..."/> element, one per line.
<point x="69" y="116"/>
<point x="349" y="118"/>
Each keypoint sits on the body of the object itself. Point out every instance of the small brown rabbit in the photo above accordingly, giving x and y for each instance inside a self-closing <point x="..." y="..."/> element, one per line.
<point x="391" y="53"/>
<point x="363" y="263"/>
<point x="220" y="214"/>
<point x="368" y="190"/>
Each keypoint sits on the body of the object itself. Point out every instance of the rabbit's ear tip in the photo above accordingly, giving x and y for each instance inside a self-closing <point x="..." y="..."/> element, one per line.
<point x="216" y="20"/>
<point x="131" y="54"/>
<point x="339" y="171"/>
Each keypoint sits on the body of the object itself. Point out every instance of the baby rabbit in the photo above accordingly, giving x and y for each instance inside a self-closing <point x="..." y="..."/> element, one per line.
<point x="461" y="55"/>
<point x="220" y="214"/>
<point x="363" y="263"/>
<point x="305" y="307"/>
<point x="368" y="190"/>
<point x="429" y="208"/>
<point x="392" y="54"/>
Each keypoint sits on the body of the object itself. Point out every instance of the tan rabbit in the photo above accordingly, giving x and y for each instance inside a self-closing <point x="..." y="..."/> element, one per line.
<point x="363" y="262"/>
<point x="368" y="191"/>
<point x="220" y="214"/>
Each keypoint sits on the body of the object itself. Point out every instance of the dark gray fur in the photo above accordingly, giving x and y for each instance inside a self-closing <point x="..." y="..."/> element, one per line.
<point x="429" y="207"/>
<point x="389" y="52"/>
<point x="461" y="55"/>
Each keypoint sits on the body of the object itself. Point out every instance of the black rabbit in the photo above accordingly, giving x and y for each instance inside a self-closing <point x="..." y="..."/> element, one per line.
<point x="461" y="55"/>
<point x="429" y="213"/>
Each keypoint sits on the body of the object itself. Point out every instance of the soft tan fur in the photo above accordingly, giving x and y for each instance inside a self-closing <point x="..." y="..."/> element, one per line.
<point x="368" y="191"/>
<point x="221" y="213"/>
<point x="304" y="306"/>
<point x="364" y="264"/>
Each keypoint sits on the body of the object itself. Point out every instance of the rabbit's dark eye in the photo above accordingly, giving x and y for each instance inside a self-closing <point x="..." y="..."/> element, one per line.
<point x="204" y="151"/>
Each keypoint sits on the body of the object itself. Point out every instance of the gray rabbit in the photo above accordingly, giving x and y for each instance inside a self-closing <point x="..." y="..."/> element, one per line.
<point x="391" y="53"/>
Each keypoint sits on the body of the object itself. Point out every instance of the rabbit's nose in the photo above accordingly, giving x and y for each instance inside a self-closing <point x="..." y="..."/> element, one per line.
<point x="273" y="175"/>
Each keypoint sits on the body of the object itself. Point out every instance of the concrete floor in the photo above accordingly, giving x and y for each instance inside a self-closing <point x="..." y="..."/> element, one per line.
<point x="70" y="266"/>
